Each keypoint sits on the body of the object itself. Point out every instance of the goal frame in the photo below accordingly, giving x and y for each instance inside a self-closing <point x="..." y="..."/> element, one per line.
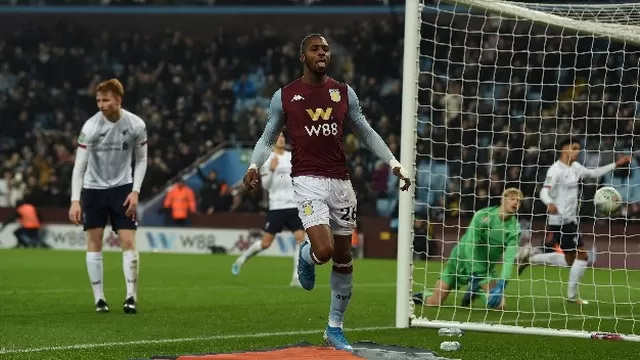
<point x="405" y="317"/>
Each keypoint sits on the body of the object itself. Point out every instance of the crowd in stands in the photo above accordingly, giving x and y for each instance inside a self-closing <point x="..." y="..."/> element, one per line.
<point x="494" y="104"/>
<point x="489" y="115"/>
<point x="194" y="96"/>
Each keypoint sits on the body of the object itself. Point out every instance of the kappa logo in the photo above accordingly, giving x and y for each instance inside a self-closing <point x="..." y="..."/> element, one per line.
<point x="334" y="94"/>
<point x="297" y="98"/>
<point x="307" y="208"/>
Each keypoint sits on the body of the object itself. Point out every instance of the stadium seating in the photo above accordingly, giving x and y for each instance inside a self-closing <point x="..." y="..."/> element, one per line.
<point x="194" y="103"/>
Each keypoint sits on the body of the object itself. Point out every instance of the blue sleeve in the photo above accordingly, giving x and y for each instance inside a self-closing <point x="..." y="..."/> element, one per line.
<point x="275" y="123"/>
<point x="358" y="123"/>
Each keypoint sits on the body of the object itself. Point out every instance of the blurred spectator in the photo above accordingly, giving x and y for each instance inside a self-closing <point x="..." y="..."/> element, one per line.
<point x="210" y="193"/>
<point x="30" y="219"/>
<point x="180" y="203"/>
<point x="5" y="187"/>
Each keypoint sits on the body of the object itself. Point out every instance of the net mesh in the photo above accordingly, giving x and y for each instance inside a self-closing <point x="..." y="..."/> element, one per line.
<point x="500" y="85"/>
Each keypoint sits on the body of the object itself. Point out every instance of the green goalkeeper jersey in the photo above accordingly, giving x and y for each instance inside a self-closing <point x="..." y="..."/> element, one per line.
<point x="487" y="241"/>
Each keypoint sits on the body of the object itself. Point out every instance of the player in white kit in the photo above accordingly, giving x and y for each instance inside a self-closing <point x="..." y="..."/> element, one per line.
<point x="110" y="187"/>
<point x="283" y="209"/>
<point x="560" y="195"/>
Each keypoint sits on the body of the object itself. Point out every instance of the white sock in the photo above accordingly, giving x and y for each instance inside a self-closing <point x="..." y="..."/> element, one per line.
<point x="255" y="248"/>
<point x="131" y="267"/>
<point x="552" y="258"/>
<point x="296" y="259"/>
<point x="94" y="267"/>
<point x="575" y="274"/>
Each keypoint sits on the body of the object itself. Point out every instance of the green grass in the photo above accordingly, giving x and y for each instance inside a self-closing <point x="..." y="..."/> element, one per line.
<point x="192" y="304"/>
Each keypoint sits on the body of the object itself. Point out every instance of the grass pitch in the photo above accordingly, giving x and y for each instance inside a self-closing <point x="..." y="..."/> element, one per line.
<point x="192" y="304"/>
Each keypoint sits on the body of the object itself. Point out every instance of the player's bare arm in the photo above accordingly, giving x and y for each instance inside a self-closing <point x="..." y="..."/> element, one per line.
<point x="264" y="146"/>
<point x="372" y="139"/>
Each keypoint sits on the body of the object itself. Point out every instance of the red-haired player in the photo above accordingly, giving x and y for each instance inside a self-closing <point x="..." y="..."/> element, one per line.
<point x="109" y="186"/>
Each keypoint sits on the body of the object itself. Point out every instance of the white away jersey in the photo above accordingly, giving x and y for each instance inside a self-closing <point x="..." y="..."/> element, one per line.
<point x="110" y="146"/>
<point x="278" y="183"/>
<point x="562" y="183"/>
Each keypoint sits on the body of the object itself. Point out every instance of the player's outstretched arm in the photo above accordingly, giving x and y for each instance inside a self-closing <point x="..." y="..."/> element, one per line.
<point x="372" y="139"/>
<point x="264" y="146"/>
<point x="602" y="170"/>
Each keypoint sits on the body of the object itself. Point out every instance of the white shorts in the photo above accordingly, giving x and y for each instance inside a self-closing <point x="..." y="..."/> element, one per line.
<point x="324" y="201"/>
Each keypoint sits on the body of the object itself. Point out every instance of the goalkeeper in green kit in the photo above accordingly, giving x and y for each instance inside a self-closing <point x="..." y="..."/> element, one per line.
<point x="493" y="237"/>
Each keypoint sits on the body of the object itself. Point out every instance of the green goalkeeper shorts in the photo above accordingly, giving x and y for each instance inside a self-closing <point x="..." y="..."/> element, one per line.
<point x="457" y="272"/>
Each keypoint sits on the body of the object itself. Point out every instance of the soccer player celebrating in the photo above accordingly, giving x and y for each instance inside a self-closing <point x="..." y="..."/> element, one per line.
<point x="314" y="108"/>
<point x="560" y="195"/>
<point x="276" y="179"/>
<point x="109" y="187"/>
<point x="493" y="235"/>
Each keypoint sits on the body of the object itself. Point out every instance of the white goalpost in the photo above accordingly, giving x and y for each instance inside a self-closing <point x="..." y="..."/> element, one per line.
<point x="490" y="88"/>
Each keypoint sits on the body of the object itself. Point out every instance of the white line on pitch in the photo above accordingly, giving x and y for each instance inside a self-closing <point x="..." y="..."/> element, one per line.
<point x="168" y="288"/>
<point x="180" y="340"/>
<point x="4" y="351"/>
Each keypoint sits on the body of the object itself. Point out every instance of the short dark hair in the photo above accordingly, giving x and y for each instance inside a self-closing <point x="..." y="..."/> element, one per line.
<point x="567" y="141"/>
<point x="303" y="43"/>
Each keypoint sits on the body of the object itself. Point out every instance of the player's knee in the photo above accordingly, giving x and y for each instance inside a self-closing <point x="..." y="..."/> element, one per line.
<point x="342" y="257"/>
<point x="321" y="243"/>
<point x="436" y="299"/>
<point x="323" y="253"/>
<point x="433" y="300"/>
<point x="299" y="236"/>
<point x="94" y="239"/>
<point x="127" y="239"/>
<point x="267" y="240"/>
<point x="582" y="255"/>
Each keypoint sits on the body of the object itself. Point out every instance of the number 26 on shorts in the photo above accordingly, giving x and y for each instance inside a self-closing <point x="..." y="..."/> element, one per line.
<point x="349" y="214"/>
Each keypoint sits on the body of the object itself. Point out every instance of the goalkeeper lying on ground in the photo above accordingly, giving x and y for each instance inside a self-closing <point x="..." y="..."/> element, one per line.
<point x="493" y="234"/>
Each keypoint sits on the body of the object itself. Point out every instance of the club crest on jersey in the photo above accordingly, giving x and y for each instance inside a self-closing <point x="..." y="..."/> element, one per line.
<point x="334" y="94"/>
<point x="81" y="138"/>
<point x="307" y="209"/>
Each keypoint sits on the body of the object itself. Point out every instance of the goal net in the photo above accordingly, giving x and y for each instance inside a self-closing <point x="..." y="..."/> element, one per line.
<point x="490" y="90"/>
